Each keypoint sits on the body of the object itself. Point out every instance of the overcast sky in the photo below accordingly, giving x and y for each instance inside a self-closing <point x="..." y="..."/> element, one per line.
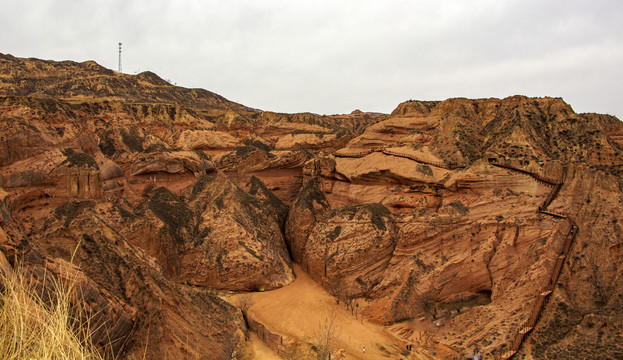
<point x="335" y="56"/>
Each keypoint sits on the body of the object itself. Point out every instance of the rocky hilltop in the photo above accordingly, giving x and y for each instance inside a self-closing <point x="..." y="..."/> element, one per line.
<point x="493" y="223"/>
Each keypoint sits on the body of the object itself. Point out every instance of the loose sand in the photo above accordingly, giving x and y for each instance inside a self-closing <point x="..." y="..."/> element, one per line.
<point x="298" y="310"/>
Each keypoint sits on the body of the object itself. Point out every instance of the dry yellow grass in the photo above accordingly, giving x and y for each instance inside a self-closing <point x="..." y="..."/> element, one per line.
<point x="33" y="328"/>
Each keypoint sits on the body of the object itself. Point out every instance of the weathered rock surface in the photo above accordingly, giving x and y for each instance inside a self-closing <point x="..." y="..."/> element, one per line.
<point x="306" y="209"/>
<point x="206" y="139"/>
<point x="467" y="236"/>
<point x="307" y="141"/>
<point x="585" y="314"/>
<point x="351" y="246"/>
<point x="142" y="311"/>
<point x="172" y="162"/>
<point x="217" y="236"/>
<point x="240" y="245"/>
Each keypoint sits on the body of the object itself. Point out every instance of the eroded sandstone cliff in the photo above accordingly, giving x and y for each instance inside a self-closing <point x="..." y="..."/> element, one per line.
<point x="491" y="222"/>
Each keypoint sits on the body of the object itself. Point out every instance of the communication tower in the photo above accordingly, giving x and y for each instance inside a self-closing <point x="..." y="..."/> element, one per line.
<point x="120" y="56"/>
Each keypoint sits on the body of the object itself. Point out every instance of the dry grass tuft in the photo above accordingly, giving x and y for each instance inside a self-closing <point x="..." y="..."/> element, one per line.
<point x="39" y="322"/>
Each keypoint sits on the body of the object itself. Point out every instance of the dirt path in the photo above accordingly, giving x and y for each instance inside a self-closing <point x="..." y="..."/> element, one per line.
<point x="261" y="350"/>
<point x="297" y="311"/>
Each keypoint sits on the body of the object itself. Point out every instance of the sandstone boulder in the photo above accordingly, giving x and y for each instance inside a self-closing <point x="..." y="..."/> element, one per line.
<point x="378" y="166"/>
<point x="110" y="170"/>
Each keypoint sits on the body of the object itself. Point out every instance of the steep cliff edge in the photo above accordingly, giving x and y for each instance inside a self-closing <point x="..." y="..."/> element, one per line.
<point x="479" y="191"/>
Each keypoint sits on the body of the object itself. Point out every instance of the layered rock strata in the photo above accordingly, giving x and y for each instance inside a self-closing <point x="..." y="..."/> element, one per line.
<point x="453" y="212"/>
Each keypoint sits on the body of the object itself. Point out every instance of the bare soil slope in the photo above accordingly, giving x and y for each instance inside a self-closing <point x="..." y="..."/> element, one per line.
<point x="298" y="310"/>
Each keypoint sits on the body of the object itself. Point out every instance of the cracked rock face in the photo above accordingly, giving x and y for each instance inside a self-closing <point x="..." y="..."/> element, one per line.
<point x="440" y="213"/>
<point x="351" y="245"/>
<point x="243" y="246"/>
<point x="126" y="289"/>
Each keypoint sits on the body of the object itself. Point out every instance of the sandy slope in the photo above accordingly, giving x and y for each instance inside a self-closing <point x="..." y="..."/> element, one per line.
<point x="297" y="311"/>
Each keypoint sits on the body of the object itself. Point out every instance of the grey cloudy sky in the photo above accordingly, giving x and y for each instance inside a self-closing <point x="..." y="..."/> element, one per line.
<point x="335" y="56"/>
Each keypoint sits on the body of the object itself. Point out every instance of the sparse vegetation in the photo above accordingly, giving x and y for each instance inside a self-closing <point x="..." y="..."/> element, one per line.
<point x="244" y="151"/>
<point x="309" y="194"/>
<point x="148" y="191"/>
<point x="40" y="324"/>
<point x="123" y="212"/>
<point x="378" y="213"/>
<point x="421" y="264"/>
<point x="245" y="351"/>
<point x="244" y="302"/>
<point x="171" y="210"/>
<point x="333" y="234"/>
<point x="71" y="209"/>
<point x="107" y="144"/>
<point x="424" y="169"/>
<point x="156" y="148"/>
<point x="426" y="303"/>
<point x="297" y="352"/>
<point x="458" y="206"/>
<point x="78" y="159"/>
<point x="201" y="184"/>
<point x="132" y="140"/>
<point x="260" y="191"/>
<point x="326" y="338"/>
<point x="258" y="144"/>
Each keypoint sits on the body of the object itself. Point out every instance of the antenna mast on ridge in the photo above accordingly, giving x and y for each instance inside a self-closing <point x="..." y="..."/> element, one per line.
<point x="120" y="57"/>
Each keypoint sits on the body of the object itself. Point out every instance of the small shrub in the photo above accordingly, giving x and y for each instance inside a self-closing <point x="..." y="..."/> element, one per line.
<point x="333" y="234"/>
<point x="245" y="351"/>
<point x="424" y="169"/>
<point x="132" y="140"/>
<point x="78" y="159"/>
<point x="326" y="337"/>
<point x="71" y="209"/>
<point x="458" y="206"/>
<point x="244" y="302"/>
<point x="107" y="144"/>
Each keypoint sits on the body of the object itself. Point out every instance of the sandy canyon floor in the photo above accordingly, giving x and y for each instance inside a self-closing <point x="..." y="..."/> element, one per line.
<point x="299" y="309"/>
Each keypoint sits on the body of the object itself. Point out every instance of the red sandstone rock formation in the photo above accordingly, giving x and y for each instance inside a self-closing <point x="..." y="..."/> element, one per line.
<point x="458" y="211"/>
